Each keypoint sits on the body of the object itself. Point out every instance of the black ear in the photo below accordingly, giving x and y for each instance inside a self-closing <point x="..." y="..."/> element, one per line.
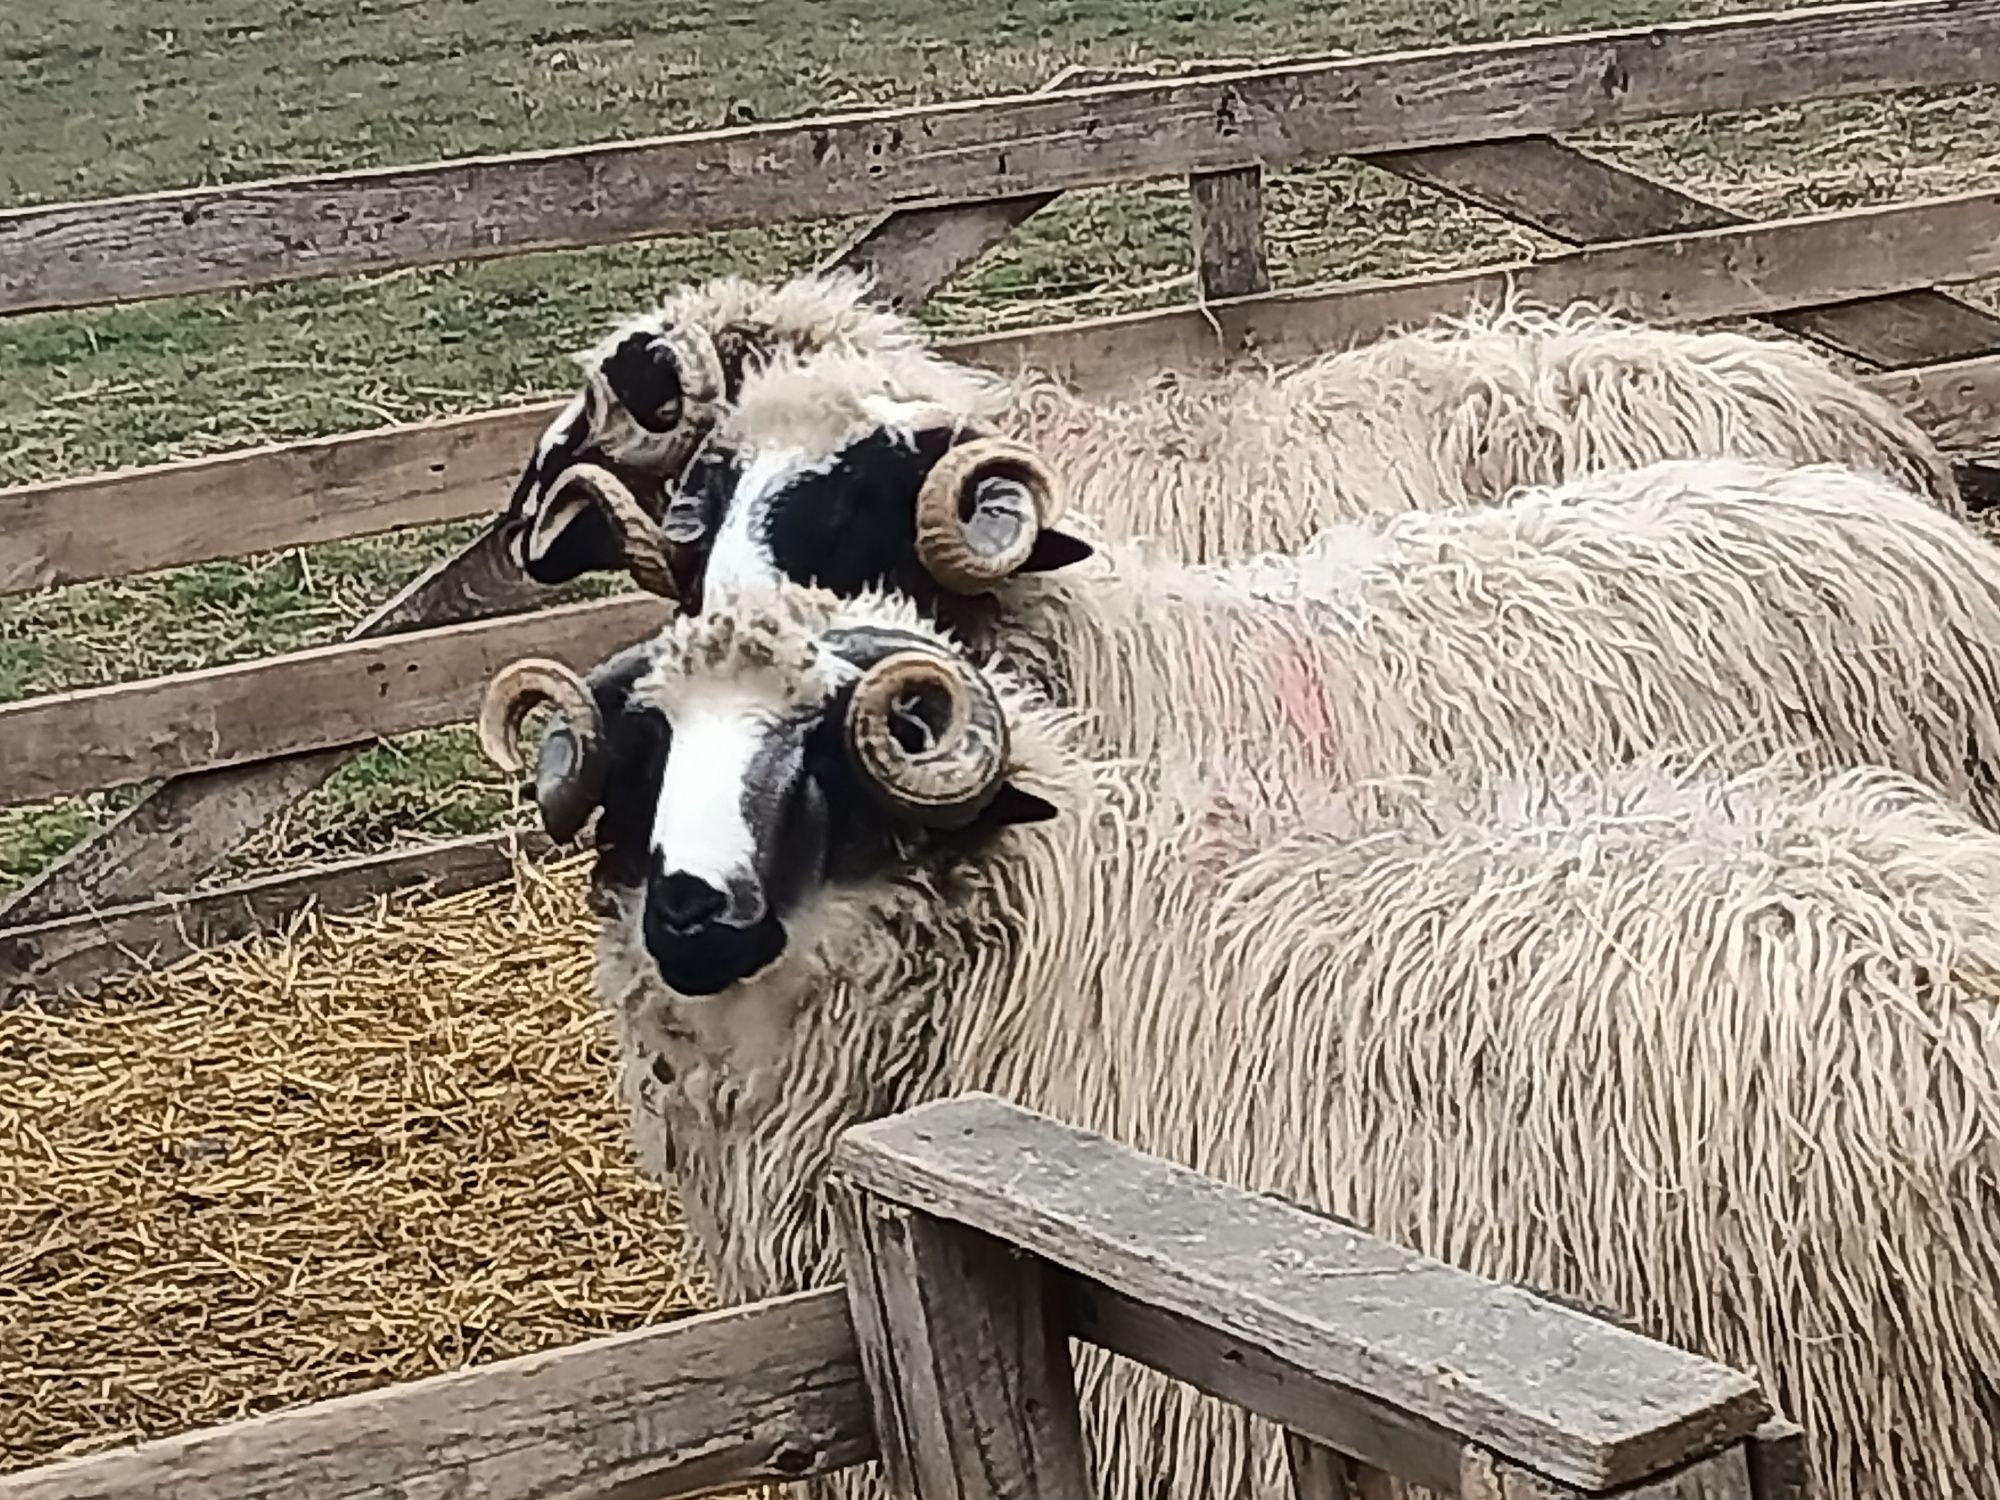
<point x="1055" y="549"/>
<point x="645" y="377"/>
<point x="1012" y="805"/>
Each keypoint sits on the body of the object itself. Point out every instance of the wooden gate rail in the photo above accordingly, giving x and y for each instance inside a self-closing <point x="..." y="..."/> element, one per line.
<point x="210" y="239"/>
<point x="980" y="1239"/>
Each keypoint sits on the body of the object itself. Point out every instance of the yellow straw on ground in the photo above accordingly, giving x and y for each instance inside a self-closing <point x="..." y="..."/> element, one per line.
<point x="369" y="1151"/>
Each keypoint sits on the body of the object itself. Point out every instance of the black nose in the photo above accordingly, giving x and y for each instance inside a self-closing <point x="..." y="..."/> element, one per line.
<point x="684" y="903"/>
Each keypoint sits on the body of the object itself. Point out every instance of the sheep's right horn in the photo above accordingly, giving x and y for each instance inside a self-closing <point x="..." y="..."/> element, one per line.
<point x="639" y="536"/>
<point x="980" y="510"/>
<point x="569" y="772"/>
<point x="698" y="363"/>
<point x="927" y="733"/>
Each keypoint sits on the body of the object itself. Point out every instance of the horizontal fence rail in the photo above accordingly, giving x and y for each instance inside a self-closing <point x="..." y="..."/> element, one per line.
<point x="209" y="239"/>
<point x="749" y="1395"/>
<point x="99" y="526"/>
<point x="345" y="694"/>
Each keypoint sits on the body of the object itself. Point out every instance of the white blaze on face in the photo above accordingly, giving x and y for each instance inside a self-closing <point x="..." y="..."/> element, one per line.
<point x="701" y="826"/>
<point x="740" y="555"/>
<point x="549" y="520"/>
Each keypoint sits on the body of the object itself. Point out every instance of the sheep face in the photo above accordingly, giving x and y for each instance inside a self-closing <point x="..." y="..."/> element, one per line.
<point x="752" y="762"/>
<point x="647" y="402"/>
<point x="835" y="473"/>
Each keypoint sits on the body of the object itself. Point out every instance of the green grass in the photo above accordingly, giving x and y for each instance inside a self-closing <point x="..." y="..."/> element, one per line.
<point x="101" y="96"/>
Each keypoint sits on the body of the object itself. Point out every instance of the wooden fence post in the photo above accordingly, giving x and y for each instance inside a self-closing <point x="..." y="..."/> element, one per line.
<point x="1229" y="255"/>
<point x="966" y="1360"/>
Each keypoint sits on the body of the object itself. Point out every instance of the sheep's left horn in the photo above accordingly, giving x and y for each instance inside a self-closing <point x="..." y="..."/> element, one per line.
<point x="569" y="773"/>
<point x="980" y="510"/>
<point x="698" y="364"/>
<point x="639" y="536"/>
<point x="928" y="736"/>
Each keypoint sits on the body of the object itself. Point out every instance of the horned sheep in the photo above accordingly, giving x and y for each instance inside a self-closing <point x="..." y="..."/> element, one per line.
<point x="1209" y="466"/>
<point x="1688" y="601"/>
<point x="1714" y="1045"/>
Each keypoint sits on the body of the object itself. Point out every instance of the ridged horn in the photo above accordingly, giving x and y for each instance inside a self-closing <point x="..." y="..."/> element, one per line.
<point x="569" y="772"/>
<point x="699" y="365"/>
<point x="927" y="734"/>
<point x="980" y="510"/>
<point x="639" y="536"/>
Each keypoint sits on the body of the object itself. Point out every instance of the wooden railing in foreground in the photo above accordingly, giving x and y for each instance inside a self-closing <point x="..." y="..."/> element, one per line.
<point x="239" y="744"/>
<point x="980" y="1239"/>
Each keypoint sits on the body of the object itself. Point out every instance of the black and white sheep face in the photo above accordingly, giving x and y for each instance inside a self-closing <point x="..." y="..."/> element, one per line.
<point x="866" y="492"/>
<point x="752" y="763"/>
<point x="646" y="403"/>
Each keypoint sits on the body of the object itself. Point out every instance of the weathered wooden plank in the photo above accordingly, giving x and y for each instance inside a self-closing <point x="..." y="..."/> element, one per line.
<point x="968" y="1367"/>
<point x="182" y="829"/>
<point x="1380" y="1436"/>
<point x="76" y="954"/>
<point x="1564" y="1395"/>
<point x="1320" y="1473"/>
<point x="260" y="499"/>
<point x="1570" y="195"/>
<point x="1746" y="271"/>
<point x="1720" y="1476"/>
<point x="1228" y="222"/>
<point x="349" y="694"/>
<point x="1958" y="404"/>
<point x="214" y="238"/>
<point x="1778" y="1469"/>
<point x="750" y="1395"/>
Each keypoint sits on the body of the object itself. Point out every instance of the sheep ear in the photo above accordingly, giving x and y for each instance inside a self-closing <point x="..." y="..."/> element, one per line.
<point x="645" y="377"/>
<point x="1055" y="549"/>
<point x="1012" y="805"/>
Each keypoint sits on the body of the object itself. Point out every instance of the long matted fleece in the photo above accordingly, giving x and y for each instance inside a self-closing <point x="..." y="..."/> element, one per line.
<point x="381" y="1148"/>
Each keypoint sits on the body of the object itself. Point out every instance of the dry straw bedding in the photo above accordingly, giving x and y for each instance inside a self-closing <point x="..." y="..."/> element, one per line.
<point x="369" y="1151"/>
<point x="358" y="1153"/>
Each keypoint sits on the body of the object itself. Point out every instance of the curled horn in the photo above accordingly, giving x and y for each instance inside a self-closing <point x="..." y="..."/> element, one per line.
<point x="569" y="773"/>
<point x="927" y="734"/>
<point x="645" y="545"/>
<point x="980" y="510"/>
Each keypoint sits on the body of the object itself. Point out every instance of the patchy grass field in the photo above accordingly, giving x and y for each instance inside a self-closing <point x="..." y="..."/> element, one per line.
<point x="387" y="1147"/>
<point x="99" y="98"/>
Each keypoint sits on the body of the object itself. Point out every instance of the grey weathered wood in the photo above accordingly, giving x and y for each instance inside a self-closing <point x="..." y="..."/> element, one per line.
<point x="1321" y="1473"/>
<point x="349" y="694"/>
<point x="751" y="1395"/>
<point x="911" y="253"/>
<point x="1748" y="271"/>
<point x="74" y="955"/>
<point x="967" y="1364"/>
<point x="287" y="495"/>
<point x="1719" y="1476"/>
<point x="183" y="828"/>
<point x="1778" y="1469"/>
<point x="1958" y="404"/>
<point x="1380" y="1435"/>
<point x="214" y="238"/>
<point x="1570" y="195"/>
<point x="1228" y="222"/>
<point x="1565" y="1395"/>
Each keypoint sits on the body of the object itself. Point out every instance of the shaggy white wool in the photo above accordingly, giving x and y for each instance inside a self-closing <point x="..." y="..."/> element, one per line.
<point x="1711" y="1040"/>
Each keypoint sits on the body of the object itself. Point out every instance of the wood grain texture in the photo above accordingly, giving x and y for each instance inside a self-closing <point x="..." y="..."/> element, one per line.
<point x="759" y="1394"/>
<point x="74" y="955"/>
<point x="1745" y="271"/>
<point x="1778" y="1467"/>
<point x="1564" y="1395"/>
<point x="1321" y="1473"/>
<point x="1720" y="1476"/>
<point x="287" y="495"/>
<point x="967" y="1366"/>
<point x="1228" y="226"/>
<point x="1570" y="195"/>
<point x="207" y="239"/>
<point x="1958" y="404"/>
<point x="349" y="694"/>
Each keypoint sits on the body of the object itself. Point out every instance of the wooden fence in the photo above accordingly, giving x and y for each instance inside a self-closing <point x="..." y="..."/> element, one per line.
<point x="231" y="747"/>
<point x="980" y="1239"/>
